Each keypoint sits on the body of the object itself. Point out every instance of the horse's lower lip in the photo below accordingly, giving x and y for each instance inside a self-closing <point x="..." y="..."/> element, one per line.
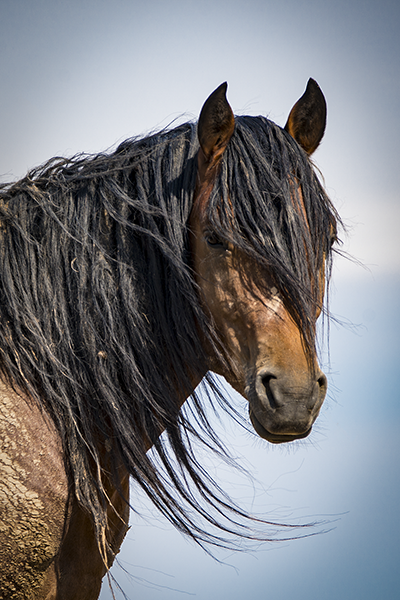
<point x="275" y="438"/>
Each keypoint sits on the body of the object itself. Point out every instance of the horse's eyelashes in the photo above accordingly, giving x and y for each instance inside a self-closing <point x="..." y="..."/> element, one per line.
<point x="214" y="240"/>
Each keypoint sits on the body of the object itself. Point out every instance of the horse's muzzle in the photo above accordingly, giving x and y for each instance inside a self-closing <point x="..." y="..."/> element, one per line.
<point x="283" y="409"/>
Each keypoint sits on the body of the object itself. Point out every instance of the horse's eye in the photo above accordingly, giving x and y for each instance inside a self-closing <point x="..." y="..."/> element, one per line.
<point x="214" y="241"/>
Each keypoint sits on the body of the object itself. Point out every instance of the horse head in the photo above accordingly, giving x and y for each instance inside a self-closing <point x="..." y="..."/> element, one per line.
<point x="268" y="359"/>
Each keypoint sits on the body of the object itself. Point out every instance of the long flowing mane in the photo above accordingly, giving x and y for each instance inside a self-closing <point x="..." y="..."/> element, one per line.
<point x="100" y="319"/>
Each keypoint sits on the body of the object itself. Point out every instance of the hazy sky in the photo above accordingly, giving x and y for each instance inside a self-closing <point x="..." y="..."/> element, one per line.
<point x="83" y="75"/>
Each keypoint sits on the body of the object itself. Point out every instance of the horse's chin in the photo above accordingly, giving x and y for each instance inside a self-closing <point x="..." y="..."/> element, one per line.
<point x="275" y="438"/>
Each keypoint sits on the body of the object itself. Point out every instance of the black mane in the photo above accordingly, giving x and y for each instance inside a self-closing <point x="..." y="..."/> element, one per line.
<point x="99" y="312"/>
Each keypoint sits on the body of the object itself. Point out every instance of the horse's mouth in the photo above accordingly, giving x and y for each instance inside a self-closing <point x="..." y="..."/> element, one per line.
<point x="275" y="438"/>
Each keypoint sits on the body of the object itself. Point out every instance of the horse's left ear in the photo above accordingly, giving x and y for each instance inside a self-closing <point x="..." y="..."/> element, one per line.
<point x="307" y="119"/>
<point x="216" y="125"/>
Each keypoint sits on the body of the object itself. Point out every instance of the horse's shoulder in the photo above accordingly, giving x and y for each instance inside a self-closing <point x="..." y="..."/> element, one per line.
<point x="33" y="496"/>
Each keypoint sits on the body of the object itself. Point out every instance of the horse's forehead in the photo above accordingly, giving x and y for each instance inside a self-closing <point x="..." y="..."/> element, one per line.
<point x="202" y="195"/>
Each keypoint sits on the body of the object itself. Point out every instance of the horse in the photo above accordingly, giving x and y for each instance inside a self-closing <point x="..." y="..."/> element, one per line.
<point x="127" y="278"/>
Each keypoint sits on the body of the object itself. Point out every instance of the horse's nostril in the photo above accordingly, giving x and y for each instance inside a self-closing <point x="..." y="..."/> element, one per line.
<point x="323" y="383"/>
<point x="270" y="396"/>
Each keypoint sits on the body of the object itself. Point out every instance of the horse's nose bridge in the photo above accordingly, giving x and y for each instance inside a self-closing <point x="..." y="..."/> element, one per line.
<point x="279" y="349"/>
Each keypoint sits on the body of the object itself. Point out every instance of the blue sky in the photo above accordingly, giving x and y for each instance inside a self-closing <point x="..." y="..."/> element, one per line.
<point x="81" y="76"/>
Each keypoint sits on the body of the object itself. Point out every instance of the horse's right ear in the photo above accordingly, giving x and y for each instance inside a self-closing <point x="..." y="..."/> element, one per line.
<point x="216" y="125"/>
<point x="307" y="119"/>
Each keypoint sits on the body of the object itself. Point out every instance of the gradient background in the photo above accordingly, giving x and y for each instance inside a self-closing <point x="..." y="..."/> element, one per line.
<point x="83" y="75"/>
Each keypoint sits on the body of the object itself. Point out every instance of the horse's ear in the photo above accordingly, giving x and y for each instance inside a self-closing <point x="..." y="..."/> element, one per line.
<point x="216" y="125"/>
<point x="307" y="119"/>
